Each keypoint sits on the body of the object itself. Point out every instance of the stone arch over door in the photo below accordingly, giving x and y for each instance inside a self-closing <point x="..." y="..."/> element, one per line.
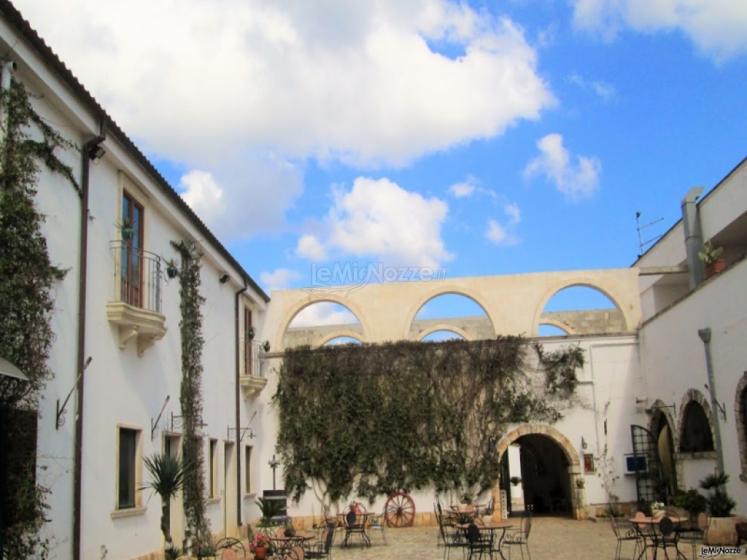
<point x="312" y="299"/>
<point x="575" y="473"/>
<point x="443" y="291"/>
<point x="740" y="415"/>
<point x="661" y="412"/>
<point x="693" y="395"/>
<point x="584" y="282"/>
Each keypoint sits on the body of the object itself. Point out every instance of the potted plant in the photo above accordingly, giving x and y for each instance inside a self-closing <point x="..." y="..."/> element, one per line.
<point x="271" y="510"/>
<point x="261" y="546"/>
<point x="171" y="269"/>
<point x="126" y="229"/>
<point x="713" y="259"/>
<point x="721" y="524"/>
<point x="167" y="477"/>
<point x="691" y="501"/>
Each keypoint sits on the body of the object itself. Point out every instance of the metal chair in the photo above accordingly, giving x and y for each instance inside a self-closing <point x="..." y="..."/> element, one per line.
<point x="520" y="537"/>
<point x="478" y="542"/>
<point x="448" y="535"/>
<point x="625" y="532"/>
<point x="376" y="521"/>
<point x="355" y="525"/>
<point x="323" y="547"/>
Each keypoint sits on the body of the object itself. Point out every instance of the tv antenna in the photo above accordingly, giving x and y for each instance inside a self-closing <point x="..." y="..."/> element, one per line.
<point x="642" y="245"/>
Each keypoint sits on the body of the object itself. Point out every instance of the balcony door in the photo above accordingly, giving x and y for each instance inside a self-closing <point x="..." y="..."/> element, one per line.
<point x="131" y="268"/>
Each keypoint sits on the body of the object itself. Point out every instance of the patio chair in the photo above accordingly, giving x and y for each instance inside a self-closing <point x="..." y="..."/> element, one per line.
<point x="449" y="536"/>
<point x="520" y="537"/>
<point x="376" y="522"/>
<point x="625" y="532"/>
<point x="355" y="525"/>
<point x="666" y="538"/>
<point x="693" y="533"/>
<point x="478" y="542"/>
<point x="321" y="548"/>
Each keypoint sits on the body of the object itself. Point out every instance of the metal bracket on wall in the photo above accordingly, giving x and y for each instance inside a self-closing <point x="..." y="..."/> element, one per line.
<point x="250" y="433"/>
<point x="174" y="426"/>
<point x="60" y="414"/>
<point x="154" y="423"/>
<point x="653" y="409"/>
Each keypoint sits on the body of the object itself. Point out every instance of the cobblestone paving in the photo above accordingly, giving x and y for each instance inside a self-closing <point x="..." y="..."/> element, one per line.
<point x="551" y="539"/>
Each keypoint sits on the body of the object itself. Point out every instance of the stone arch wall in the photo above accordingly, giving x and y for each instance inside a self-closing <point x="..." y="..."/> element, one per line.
<point x="545" y="321"/>
<point x="313" y="298"/>
<point x="575" y="473"/>
<point x="337" y="333"/>
<point x="585" y="282"/>
<point x="741" y="428"/>
<point x="659" y="407"/>
<point x="698" y="397"/>
<point x="442" y="327"/>
<point x="442" y="291"/>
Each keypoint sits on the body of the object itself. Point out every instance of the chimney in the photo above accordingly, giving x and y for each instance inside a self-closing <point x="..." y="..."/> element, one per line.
<point x="693" y="236"/>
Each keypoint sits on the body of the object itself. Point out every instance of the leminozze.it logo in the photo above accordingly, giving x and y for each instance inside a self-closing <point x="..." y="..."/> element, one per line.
<point x="353" y="275"/>
<point x="722" y="551"/>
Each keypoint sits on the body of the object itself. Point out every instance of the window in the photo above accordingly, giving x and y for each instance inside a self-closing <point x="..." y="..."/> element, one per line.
<point x="248" y="337"/>
<point x="132" y="251"/>
<point x="213" y="468"/>
<point x="126" y="487"/>
<point x="171" y="446"/>
<point x="696" y="430"/>
<point x="248" y="470"/>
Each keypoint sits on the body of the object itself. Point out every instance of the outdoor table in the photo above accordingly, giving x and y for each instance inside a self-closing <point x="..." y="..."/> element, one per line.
<point x="651" y="537"/>
<point x="465" y="512"/>
<point x="492" y="527"/>
<point x="283" y="544"/>
<point x="360" y="526"/>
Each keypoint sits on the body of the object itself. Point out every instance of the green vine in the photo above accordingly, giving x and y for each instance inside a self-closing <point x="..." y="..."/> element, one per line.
<point x="560" y="368"/>
<point x="26" y="303"/>
<point x="190" y="395"/>
<point x="371" y="419"/>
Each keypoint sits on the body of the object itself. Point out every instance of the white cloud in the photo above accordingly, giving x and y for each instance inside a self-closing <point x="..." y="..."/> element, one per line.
<point x="462" y="190"/>
<point x="323" y="313"/>
<point x="379" y="219"/>
<point x="555" y="163"/>
<point x="278" y="279"/>
<point x="717" y="27"/>
<point x="203" y="82"/>
<point x="504" y="232"/>
<point x="603" y="90"/>
<point x="309" y="247"/>
<point x="244" y="195"/>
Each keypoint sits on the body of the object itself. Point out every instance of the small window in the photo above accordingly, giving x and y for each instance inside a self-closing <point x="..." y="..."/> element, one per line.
<point x="213" y="468"/>
<point x="696" y="430"/>
<point x="127" y="468"/>
<point x="248" y="470"/>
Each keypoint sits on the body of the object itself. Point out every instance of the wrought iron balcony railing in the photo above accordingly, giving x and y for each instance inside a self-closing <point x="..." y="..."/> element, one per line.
<point x="137" y="276"/>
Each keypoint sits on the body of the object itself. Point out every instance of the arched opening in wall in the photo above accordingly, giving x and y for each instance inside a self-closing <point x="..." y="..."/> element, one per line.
<point x="696" y="433"/>
<point x="740" y="413"/>
<point x="314" y="324"/>
<point x="535" y="472"/>
<point x="546" y="329"/>
<point x="339" y="340"/>
<point x="441" y="335"/>
<point x="448" y="311"/>
<point x="582" y="309"/>
<point x="663" y="437"/>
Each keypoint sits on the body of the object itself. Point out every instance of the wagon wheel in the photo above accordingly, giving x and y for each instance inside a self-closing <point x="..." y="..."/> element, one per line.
<point x="399" y="510"/>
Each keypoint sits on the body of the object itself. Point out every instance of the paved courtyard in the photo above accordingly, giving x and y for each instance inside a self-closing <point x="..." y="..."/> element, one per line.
<point x="551" y="538"/>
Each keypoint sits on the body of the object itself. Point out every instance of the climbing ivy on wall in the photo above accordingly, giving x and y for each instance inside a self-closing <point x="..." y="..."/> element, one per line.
<point x="371" y="419"/>
<point x="190" y="396"/>
<point x="26" y="303"/>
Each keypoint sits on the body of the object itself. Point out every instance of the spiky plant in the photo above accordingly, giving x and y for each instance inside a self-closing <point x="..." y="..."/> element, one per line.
<point x="720" y="504"/>
<point x="167" y="478"/>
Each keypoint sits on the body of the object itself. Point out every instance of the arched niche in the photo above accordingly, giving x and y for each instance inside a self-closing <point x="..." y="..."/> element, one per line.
<point x="581" y="308"/>
<point x="695" y="424"/>
<point x="453" y="310"/>
<point x="441" y="334"/>
<point x="320" y="320"/>
<point x="740" y="415"/>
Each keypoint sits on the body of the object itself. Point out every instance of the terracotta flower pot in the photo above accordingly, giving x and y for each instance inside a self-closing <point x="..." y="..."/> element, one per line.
<point x="722" y="531"/>
<point x="715" y="267"/>
<point x="260" y="553"/>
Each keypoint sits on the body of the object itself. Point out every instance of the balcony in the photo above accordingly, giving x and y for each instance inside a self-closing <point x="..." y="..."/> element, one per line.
<point x="253" y="380"/>
<point x="136" y="304"/>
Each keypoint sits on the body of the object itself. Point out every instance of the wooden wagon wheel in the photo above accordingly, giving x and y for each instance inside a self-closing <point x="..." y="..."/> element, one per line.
<point x="399" y="510"/>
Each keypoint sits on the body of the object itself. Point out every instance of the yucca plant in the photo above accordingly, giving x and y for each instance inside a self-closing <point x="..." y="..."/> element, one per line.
<point x="167" y="477"/>
<point x="720" y="504"/>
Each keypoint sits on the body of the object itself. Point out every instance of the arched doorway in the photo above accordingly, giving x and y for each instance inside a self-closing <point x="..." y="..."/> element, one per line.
<point x="661" y="430"/>
<point x="539" y="468"/>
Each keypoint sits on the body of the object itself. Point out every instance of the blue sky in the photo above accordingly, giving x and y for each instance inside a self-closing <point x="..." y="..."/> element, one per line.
<point x="474" y="138"/>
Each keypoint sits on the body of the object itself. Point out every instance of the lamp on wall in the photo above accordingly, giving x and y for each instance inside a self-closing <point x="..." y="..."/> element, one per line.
<point x="584" y="445"/>
<point x="224" y="278"/>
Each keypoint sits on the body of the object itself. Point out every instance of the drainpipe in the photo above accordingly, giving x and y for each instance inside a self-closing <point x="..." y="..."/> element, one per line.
<point x="237" y="402"/>
<point x="693" y="236"/>
<point x="87" y="154"/>
<point x="705" y="336"/>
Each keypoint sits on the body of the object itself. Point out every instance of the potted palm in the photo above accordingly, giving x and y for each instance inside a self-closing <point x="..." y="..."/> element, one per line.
<point x="721" y="524"/>
<point x="167" y="477"/>
<point x="713" y="259"/>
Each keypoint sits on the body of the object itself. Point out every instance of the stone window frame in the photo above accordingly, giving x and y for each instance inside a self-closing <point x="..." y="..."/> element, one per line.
<point x="694" y="395"/>
<point x="741" y="428"/>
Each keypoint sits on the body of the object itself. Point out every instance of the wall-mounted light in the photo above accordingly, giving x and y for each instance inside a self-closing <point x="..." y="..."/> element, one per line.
<point x="584" y="445"/>
<point x="224" y="278"/>
<point x="96" y="153"/>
